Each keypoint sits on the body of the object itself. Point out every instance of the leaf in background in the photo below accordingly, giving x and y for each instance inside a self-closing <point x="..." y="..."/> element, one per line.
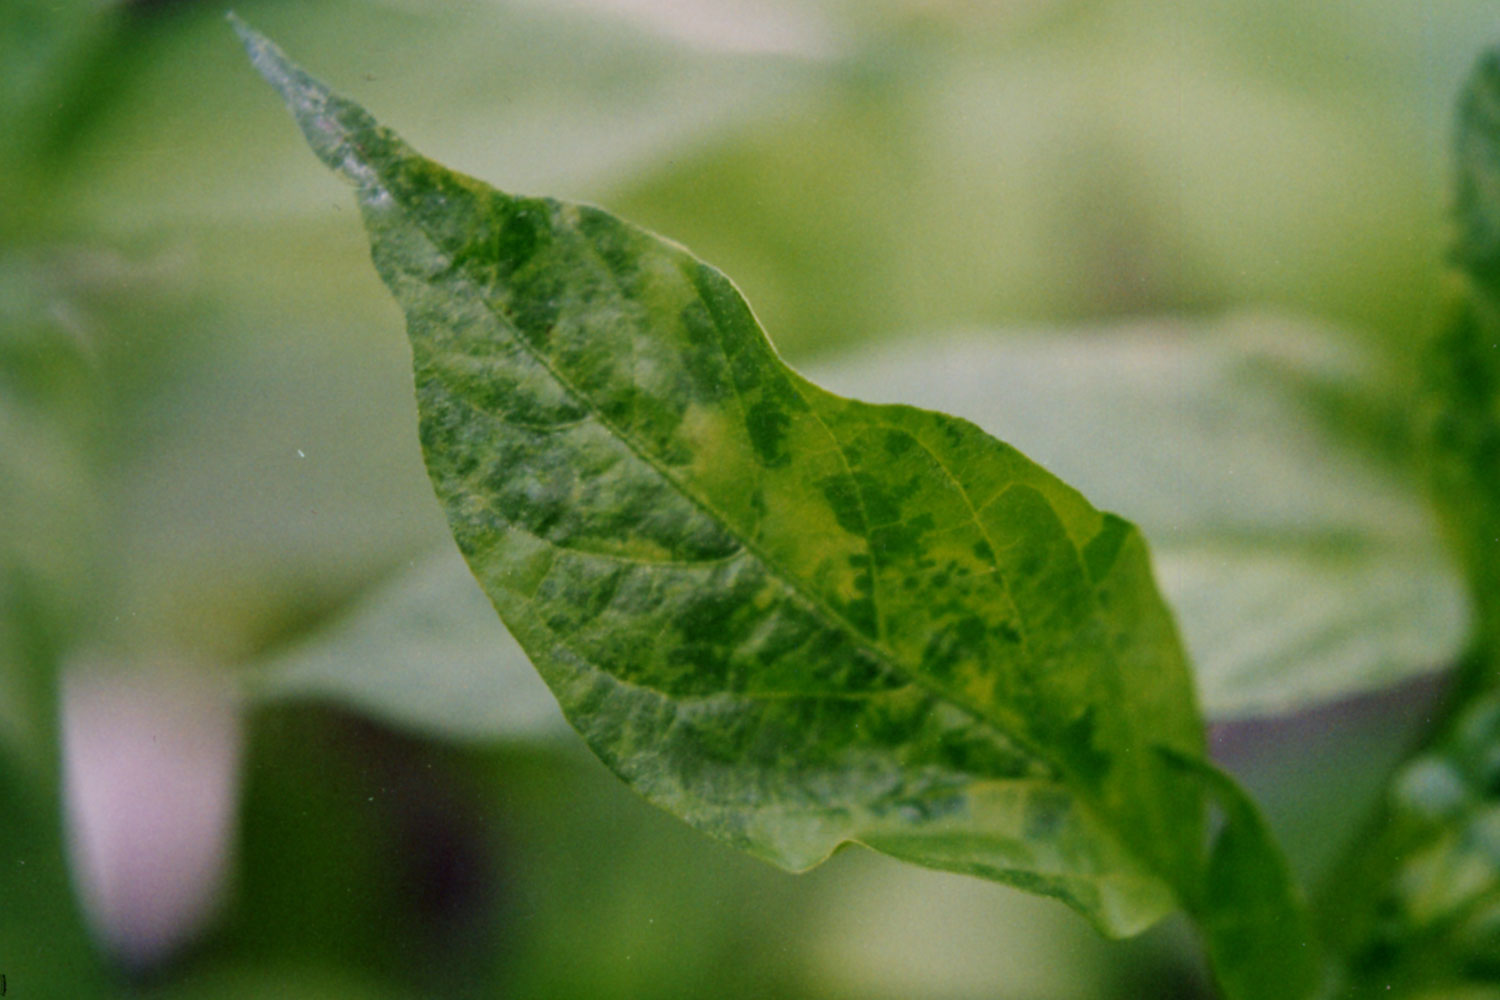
<point x="1415" y="911"/>
<point x="425" y="651"/>
<point x="45" y="47"/>
<point x="1300" y="567"/>
<point x="1425" y="920"/>
<point x="579" y="102"/>
<point x="49" y="529"/>
<point x="1464" y="365"/>
<point x="1260" y="938"/>
<point x="1125" y="159"/>
<point x="47" y="950"/>
<point x="792" y="619"/>
<point x="48" y="551"/>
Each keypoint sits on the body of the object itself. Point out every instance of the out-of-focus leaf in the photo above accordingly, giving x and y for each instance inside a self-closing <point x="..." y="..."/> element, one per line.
<point x="1301" y="569"/>
<point x="1130" y="158"/>
<point x="255" y="979"/>
<point x="578" y="103"/>
<point x="1464" y="362"/>
<point x="793" y="619"/>
<point x="424" y="651"/>
<point x="48" y="531"/>
<point x="1429" y="919"/>
<point x="44" y="947"/>
<point x="1259" y="936"/>
<point x="1416" y="911"/>
<point x="45" y="46"/>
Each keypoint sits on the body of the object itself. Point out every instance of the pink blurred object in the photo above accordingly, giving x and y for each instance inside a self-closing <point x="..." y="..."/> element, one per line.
<point x="151" y="772"/>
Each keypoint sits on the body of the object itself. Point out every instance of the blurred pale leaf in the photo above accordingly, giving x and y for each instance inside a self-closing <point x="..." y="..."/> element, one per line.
<point x="426" y="651"/>
<point x="1126" y="158"/>
<point x="888" y="932"/>
<point x="1301" y="568"/>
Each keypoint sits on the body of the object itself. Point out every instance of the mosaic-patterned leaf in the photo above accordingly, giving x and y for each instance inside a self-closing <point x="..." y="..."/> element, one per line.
<point x="793" y="619"/>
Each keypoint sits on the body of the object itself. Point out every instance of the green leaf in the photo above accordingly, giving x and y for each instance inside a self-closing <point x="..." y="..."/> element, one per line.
<point x="793" y="619"/>
<point x="1259" y="934"/>
<point x="47" y="949"/>
<point x="1300" y="567"/>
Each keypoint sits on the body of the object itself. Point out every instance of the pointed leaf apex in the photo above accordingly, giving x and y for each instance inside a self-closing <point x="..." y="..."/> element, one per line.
<point x="326" y="120"/>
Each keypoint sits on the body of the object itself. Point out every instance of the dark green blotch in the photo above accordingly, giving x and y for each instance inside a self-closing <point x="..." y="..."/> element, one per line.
<point x="942" y="654"/>
<point x="613" y="242"/>
<point x="1103" y="549"/>
<point x="843" y="499"/>
<point x="970" y="631"/>
<point x="737" y="332"/>
<point x="767" y="424"/>
<point x="860" y="614"/>
<point x="1085" y="758"/>
<point x="974" y="751"/>
<point x="708" y="379"/>
<point x="883" y="502"/>
<point x="710" y="614"/>
<point x="897" y="443"/>
<point x="535" y="304"/>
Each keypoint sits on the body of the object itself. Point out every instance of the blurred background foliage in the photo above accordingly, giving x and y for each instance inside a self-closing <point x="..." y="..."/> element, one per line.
<point x="1212" y="227"/>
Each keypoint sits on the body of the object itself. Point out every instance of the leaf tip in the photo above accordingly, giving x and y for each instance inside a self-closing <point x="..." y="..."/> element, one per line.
<point x="328" y="122"/>
<point x="299" y="90"/>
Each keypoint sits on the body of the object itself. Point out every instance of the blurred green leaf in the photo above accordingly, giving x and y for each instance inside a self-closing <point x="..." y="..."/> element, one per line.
<point x="1415" y="911"/>
<point x="1123" y="158"/>
<point x="45" y="950"/>
<point x="1259" y="936"/>
<point x="577" y="104"/>
<point x="49" y="409"/>
<point x="46" y="48"/>
<point x="1302" y="569"/>
<point x="1424" y="918"/>
<point x="1464" y="361"/>
<point x="292" y="980"/>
